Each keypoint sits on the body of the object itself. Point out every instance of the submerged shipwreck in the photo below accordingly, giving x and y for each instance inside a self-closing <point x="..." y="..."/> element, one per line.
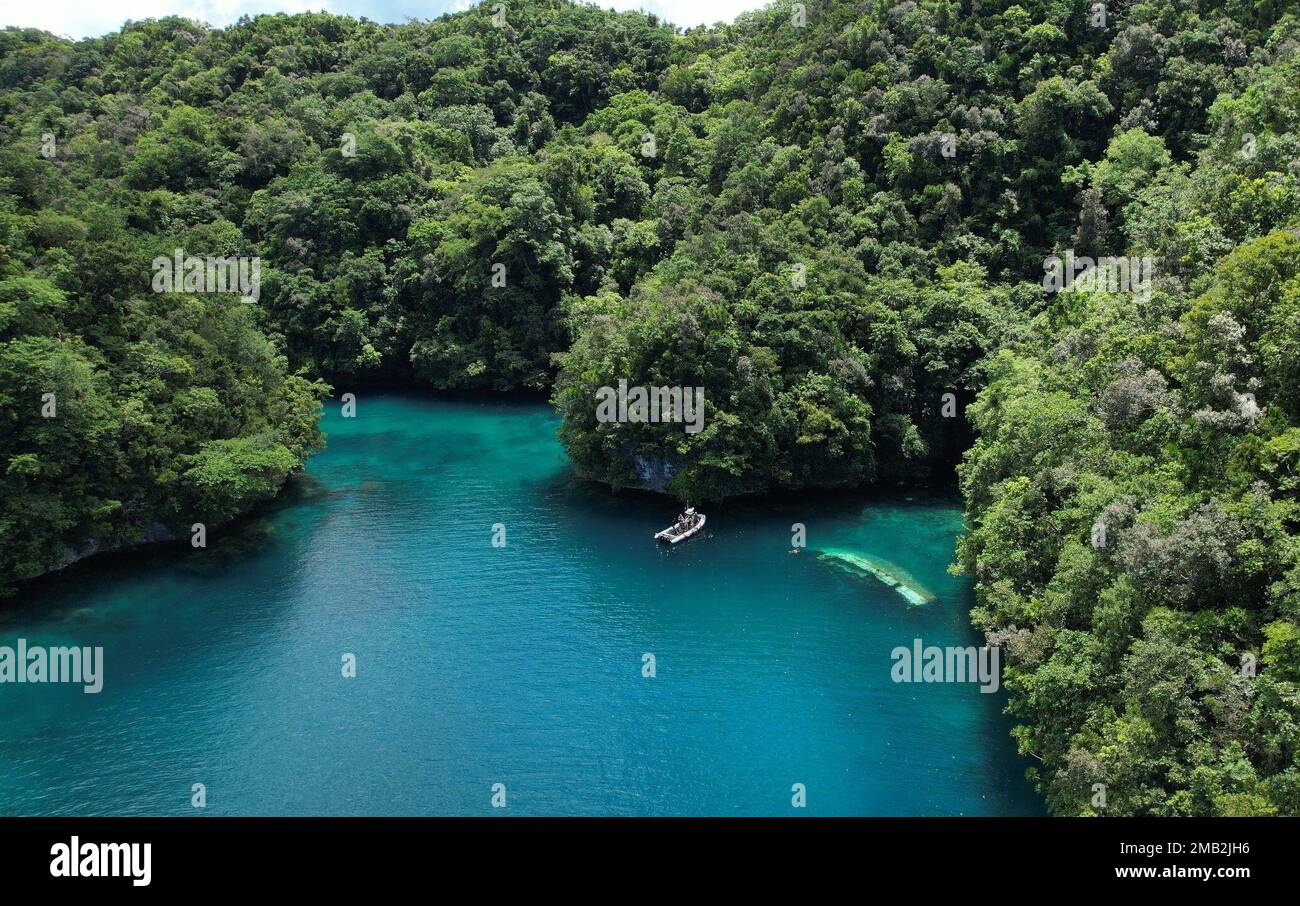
<point x="891" y="574"/>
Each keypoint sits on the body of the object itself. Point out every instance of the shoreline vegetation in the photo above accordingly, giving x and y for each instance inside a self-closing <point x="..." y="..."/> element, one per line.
<point x="837" y="224"/>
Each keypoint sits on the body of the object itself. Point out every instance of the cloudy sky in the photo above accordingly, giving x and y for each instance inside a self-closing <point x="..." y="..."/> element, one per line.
<point x="85" y="18"/>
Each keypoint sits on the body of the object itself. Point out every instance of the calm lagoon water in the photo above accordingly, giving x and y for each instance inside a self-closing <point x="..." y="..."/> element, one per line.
<point x="519" y="665"/>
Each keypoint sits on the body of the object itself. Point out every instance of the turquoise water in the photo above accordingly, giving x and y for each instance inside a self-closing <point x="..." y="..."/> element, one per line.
<point x="519" y="665"/>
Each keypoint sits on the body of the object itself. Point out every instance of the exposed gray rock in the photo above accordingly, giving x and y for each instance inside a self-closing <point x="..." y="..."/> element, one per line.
<point x="153" y="533"/>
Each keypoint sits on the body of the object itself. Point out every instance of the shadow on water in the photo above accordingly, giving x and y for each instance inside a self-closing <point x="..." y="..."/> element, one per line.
<point x="51" y="599"/>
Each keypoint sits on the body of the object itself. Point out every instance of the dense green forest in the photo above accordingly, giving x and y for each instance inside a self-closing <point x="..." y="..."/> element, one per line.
<point x="836" y="225"/>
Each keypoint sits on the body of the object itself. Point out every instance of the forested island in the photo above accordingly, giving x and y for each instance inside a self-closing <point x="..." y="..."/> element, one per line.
<point x="835" y="218"/>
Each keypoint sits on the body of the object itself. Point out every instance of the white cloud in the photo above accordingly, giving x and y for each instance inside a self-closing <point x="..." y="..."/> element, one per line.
<point x="689" y="12"/>
<point x="90" y="18"/>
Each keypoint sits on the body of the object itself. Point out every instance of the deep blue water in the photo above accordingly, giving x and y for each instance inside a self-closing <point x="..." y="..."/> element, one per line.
<point x="519" y="665"/>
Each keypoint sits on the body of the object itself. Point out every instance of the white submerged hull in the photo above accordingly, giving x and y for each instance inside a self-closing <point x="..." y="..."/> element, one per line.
<point x="668" y="535"/>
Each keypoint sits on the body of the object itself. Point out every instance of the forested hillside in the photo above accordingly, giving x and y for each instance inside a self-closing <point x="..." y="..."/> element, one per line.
<point x="835" y="220"/>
